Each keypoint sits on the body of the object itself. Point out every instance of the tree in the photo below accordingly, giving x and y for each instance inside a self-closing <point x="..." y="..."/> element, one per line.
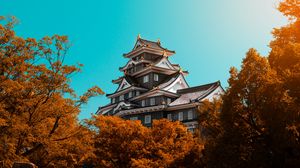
<point x="209" y="120"/>
<point x="285" y="49"/>
<point x="259" y="116"/>
<point x="38" y="109"/>
<point x="256" y="116"/>
<point x="126" y="143"/>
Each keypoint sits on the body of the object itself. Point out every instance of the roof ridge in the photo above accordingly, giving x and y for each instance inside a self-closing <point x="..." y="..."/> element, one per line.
<point x="149" y="41"/>
<point x="169" y="80"/>
<point x="190" y="89"/>
<point x="208" y="91"/>
<point x="158" y="43"/>
<point x="131" y="86"/>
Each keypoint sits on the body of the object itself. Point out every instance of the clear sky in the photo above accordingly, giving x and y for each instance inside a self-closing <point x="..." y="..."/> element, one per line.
<point x="209" y="36"/>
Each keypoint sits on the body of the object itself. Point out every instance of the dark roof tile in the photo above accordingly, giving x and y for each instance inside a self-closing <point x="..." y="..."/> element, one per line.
<point x="198" y="88"/>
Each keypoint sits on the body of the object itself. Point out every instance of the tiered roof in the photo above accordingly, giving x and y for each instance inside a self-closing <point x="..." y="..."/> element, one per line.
<point x="194" y="94"/>
<point x="173" y="86"/>
<point x="187" y="98"/>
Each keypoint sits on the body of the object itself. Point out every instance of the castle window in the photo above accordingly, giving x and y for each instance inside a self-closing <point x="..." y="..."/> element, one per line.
<point x="129" y="94"/>
<point x="191" y="128"/>
<point x="143" y="103"/>
<point x="152" y="101"/>
<point x="137" y="93"/>
<point x="146" y="79"/>
<point x="121" y="97"/>
<point x="147" y="119"/>
<point x="169" y="116"/>
<point x="180" y="116"/>
<point x="133" y="118"/>
<point x="155" y="77"/>
<point x="190" y="115"/>
<point x="168" y="100"/>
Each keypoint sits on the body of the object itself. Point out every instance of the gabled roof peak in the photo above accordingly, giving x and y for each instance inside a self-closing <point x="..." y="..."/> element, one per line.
<point x="149" y="43"/>
<point x="148" y="46"/>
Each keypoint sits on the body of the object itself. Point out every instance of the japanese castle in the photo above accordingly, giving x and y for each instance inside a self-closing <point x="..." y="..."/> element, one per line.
<point x="154" y="88"/>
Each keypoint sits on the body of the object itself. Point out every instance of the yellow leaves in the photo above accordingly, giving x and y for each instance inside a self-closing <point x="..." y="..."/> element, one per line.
<point x="260" y="114"/>
<point x="3" y="122"/>
<point x="126" y="142"/>
<point x="144" y="163"/>
<point x="94" y="91"/>
<point x="47" y="40"/>
<point x="11" y="87"/>
<point x="63" y="39"/>
<point x="31" y="40"/>
<point x="69" y="69"/>
<point x="294" y="130"/>
<point x="36" y="121"/>
<point x="290" y="8"/>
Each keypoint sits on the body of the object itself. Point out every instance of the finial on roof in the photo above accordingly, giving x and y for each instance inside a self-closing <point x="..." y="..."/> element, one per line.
<point x="139" y="36"/>
<point x="158" y="41"/>
<point x="164" y="53"/>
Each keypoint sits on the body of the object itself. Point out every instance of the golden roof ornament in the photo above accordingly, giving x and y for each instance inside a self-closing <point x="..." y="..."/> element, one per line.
<point x="158" y="41"/>
<point x="139" y="36"/>
<point x="164" y="53"/>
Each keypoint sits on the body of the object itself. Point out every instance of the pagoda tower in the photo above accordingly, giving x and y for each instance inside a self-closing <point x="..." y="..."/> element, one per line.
<point x="154" y="88"/>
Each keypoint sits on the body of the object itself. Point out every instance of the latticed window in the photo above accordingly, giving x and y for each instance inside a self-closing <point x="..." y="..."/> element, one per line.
<point x="143" y="103"/>
<point x="169" y="116"/>
<point x="130" y="94"/>
<point x="155" y="77"/>
<point x="190" y="115"/>
<point x="121" y="97"/>
<point x="180" y="116"/>
<point x="146" y="79"/>
<point x="133" y="118"/>
<point x="168" y="100"/>
<point x="152" y="101"/>
<point x="147" y="119"/>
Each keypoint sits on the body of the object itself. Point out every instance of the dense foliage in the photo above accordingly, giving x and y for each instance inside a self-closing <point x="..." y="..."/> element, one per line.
<point x="126" y="143"/>
<point x="39" y="110"/>
<point x="259" y="122"/>
<point x="256" y="124"/>
<point x="37" y="121"/>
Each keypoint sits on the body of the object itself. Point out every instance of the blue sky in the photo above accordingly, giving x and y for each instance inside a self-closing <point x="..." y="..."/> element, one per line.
<point x="209" y="36"/>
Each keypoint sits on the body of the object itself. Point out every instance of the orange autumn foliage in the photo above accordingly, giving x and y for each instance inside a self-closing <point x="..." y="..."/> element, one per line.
<point x="259" y="122"/>
<point x="126" y="143"/>
<point x="38" y="109"/>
